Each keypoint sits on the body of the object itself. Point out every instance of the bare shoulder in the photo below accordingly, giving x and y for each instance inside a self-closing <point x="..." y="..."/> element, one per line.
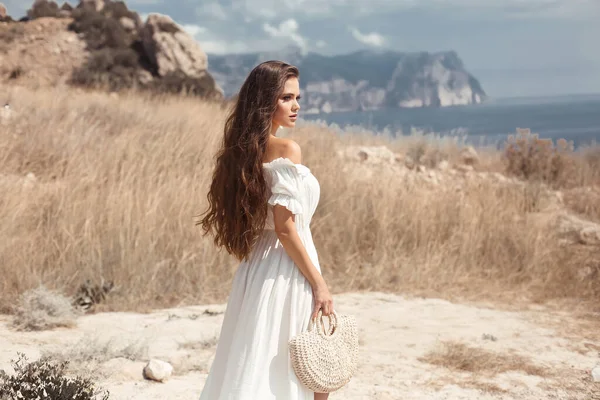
<point x="289" y="149"/>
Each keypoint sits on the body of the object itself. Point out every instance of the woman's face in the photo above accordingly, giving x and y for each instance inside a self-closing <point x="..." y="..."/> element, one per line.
<point x="287" y="105"/>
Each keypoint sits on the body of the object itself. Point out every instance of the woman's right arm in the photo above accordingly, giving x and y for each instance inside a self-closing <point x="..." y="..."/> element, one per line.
<point x="285" y="228"/>
<point x="289" y="238"/>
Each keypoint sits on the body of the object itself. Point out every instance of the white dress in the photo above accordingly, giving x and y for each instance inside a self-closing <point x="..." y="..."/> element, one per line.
<point x="270" y="302"/>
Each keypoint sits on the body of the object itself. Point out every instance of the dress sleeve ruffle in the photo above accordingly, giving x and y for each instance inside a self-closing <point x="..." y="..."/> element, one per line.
<point x="285" y="183"/>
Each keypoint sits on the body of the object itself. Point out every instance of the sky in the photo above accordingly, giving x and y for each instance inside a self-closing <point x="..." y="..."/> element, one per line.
<point x="514" y="47"/>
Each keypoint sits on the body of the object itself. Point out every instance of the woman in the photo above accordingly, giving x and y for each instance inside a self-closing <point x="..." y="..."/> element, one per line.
<point x="261" y="202"/>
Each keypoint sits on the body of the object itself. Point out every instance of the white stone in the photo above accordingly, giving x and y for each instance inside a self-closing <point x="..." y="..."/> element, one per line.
<point x="596" y="374"/>
<point x="158" y="370"/>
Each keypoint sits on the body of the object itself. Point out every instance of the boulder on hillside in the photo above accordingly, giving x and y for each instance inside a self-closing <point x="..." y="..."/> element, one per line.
<point x="369" y="154"/>
<point x="97" y="5"/>
<point x="171" y="49"/>
<point x="578" y="230"/>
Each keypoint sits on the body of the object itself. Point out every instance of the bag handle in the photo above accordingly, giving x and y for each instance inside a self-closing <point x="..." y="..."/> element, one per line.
<point x="333" y="322"/>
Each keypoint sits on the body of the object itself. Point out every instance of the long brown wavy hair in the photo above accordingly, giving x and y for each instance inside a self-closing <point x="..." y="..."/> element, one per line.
<point x="237" y="197"/>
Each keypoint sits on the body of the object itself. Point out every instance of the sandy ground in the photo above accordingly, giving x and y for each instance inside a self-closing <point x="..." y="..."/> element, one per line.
<point x="396" y="333"/>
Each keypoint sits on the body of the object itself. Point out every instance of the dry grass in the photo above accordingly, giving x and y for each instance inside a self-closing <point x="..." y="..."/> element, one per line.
<point x="461" y="357"/>
<point x="584" y="201"/>
<point x="89" y="353"/>
<point x="120" y="181"/>
<point x="40" y="309"/>
<point x="200" y="345"/>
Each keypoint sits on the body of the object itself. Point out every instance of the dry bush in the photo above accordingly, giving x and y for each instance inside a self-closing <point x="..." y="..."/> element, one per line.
<point x="531" y="158"/>
<point x="102" y="29"/>
<point x="461" y="357"/>
<point x="40" y="309"/>
<point x="200" y="345"/>
<point x="89" y="353"/>
<point x="120" y="185"/>
<point x="114" y="60"/>
<point x="42" y="9"/>
<point x="46" y="379"/>
<point x="9" y="33"/>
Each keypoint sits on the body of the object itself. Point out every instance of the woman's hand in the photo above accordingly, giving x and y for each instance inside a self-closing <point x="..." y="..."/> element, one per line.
<point x="323" y="300"/>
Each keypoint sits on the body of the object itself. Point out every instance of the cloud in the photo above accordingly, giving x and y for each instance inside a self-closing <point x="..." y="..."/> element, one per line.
<point x="320" y="44"/>
<point x="217" y="46"/>
<point x="371" y="39"/>
<point x="213" y="9"/>
<point x="271" y="9"/>
<point x="193" y="30"/>
<point x="287" y="29"/>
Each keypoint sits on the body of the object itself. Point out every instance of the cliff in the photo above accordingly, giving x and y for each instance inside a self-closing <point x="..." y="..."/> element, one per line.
<point x="363" y="80"/>
<point x="102" y="44"/>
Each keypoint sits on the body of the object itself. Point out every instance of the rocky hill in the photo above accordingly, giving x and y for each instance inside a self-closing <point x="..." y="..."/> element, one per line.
<point x="364" y="80"/>
<point x="101" y="43"/>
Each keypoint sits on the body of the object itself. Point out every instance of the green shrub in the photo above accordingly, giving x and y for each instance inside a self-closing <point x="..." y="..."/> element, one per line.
<point x="45" y="380"/>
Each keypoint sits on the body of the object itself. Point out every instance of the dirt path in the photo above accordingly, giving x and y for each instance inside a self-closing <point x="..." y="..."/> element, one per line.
<point x="411" y="349"/>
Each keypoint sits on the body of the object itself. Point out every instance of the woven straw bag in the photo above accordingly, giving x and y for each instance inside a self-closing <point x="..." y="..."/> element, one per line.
<point x="325" y="361"/>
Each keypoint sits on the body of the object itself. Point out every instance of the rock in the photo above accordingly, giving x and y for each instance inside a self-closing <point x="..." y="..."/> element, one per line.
<point x="3" y="11"/>
<point x="469" y="156"/>
<point x="369" y="154"/>
<point x="443" y="165"/>
<point x="499" y="177"/>
<point x="98" y="5"/>
<point x="171" y="49"/>
<point x="596" y="374"/>
<point x="487" y="336"/>
<point x="464" y="168"/>
<point x="158" y="370"/>
<point x="578" y="230"/>
<point x="5" y="114"/>
<point x="127" y="23"/>
<point x="144" y="77"/>
<point x="409" y="162"/>
<point x="586" y="273"/>
<point x="590" y="235"/>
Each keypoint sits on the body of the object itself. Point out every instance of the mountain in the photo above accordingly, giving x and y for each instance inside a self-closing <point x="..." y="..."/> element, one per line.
<point x="363" y="80"/>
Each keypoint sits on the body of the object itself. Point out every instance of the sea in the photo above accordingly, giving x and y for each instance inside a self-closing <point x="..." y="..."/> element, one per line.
<point x="575" y="118"/>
